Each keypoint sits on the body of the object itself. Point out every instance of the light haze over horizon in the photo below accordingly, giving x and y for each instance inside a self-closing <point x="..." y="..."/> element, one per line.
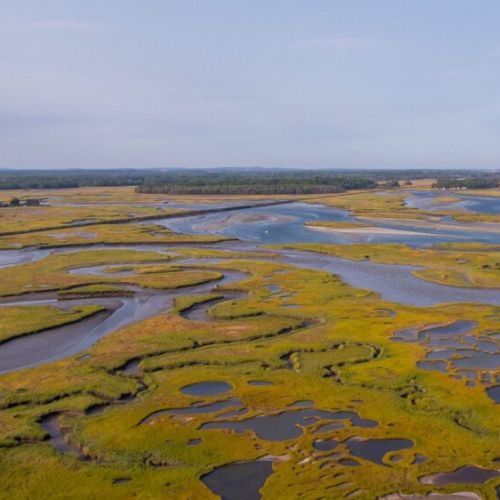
<point x="281" y="83"/>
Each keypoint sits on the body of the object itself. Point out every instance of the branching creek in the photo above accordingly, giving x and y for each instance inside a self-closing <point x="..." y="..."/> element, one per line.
<point x="393" y="282"/>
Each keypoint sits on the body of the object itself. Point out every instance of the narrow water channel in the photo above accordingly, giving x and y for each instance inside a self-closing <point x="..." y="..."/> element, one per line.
<point x="57" y="343"/>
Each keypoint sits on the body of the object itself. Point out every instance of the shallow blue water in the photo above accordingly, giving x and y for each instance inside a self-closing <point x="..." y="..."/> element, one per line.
<point x="479" y="204"/>
<point x="482" y="204"/>
<point x="279" y="224"/>
<point x="285" y="224"/>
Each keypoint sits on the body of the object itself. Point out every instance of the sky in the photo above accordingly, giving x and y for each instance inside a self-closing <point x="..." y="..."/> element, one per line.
<point x="281" y="83"/>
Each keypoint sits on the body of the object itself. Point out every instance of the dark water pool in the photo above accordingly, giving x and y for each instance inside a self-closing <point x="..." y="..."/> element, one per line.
<point x="207" y="388"/>
<point x="374" y="450"/>
<point x="285" y="425"/>
<point x="241" y="481"/>
<point x="326" y="445"/>
<point x="467" y="474"/>
<point x="260" y="382"/>
<point x="494" y="393"/>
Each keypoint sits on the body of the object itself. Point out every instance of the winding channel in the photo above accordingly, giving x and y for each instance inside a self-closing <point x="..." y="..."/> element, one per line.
<point x="60" y="342"/>
<point x="393" y="282"/>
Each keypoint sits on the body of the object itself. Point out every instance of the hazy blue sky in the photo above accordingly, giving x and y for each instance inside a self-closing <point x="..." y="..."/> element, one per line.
<point x="311" y="83"/>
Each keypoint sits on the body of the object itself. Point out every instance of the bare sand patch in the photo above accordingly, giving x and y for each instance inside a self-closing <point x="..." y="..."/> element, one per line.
<point x="489" y="227"/>
<point x="231" y="220"/>
<point x="370" y="230"/>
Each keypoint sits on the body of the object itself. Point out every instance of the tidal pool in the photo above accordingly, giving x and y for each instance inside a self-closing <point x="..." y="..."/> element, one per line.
<point x="374" y="450"/>
<point x="478" y="360"/>
<point x="285" y="425"/>
<point x="467" y="474"/>
<point x="326" y="445"/>
<point x="207" y="388"/>
<point x="451" y="349"/>
<point x="494" y="393"/>
<point x="438" y="366"/>
<point x="260" y="382"/>
<point x="122" y="480"/>
<point x="457" y="328"/>
<point x="240" y="481"/>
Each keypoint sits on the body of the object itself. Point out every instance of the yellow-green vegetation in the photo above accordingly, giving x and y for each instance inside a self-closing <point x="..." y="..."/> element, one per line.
<point x="18" y="321"/>
<point x="216" y="253"/>
<point x="115" y="234"/>
<point x="475" y="217"/>
<point x="100" y="290"/>
<point x="469" y="246"/>
<point x="173" y="278"/>
<point x="482" y="192"/>
<point x="446" y="199"/>
<point x="334" y="349"/>
<point x="18" y="220"/>
<point x="184" y="302"/>
<point x="374" y="204"/>
<point x="83" y="195"/>
<point x="52" y="273"/>
<point x="120" y="195"/>
<point x="451" y="264"/>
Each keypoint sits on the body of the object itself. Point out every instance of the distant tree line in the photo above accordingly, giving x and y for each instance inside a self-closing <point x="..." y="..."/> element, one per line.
<point x="467" y="183"/>
<point x="253" y="183"/>
<point x="60" y="179"/>
<point x="238" y="180"/>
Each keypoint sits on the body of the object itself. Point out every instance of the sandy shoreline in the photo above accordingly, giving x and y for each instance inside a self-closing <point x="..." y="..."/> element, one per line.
<point x="489" y="227"/>
<point x="370" y="230"/>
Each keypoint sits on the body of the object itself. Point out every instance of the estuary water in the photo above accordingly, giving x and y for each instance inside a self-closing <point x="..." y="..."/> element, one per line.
<point x="252" y="227"/>
<point x="285" y="224"/>
<point x="426" y="200"/>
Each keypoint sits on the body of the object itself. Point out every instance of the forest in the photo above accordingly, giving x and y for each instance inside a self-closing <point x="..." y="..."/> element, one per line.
<point x="254" y="180"/>
<point x="486" y="182"/>
<point x="254" y="183"/>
